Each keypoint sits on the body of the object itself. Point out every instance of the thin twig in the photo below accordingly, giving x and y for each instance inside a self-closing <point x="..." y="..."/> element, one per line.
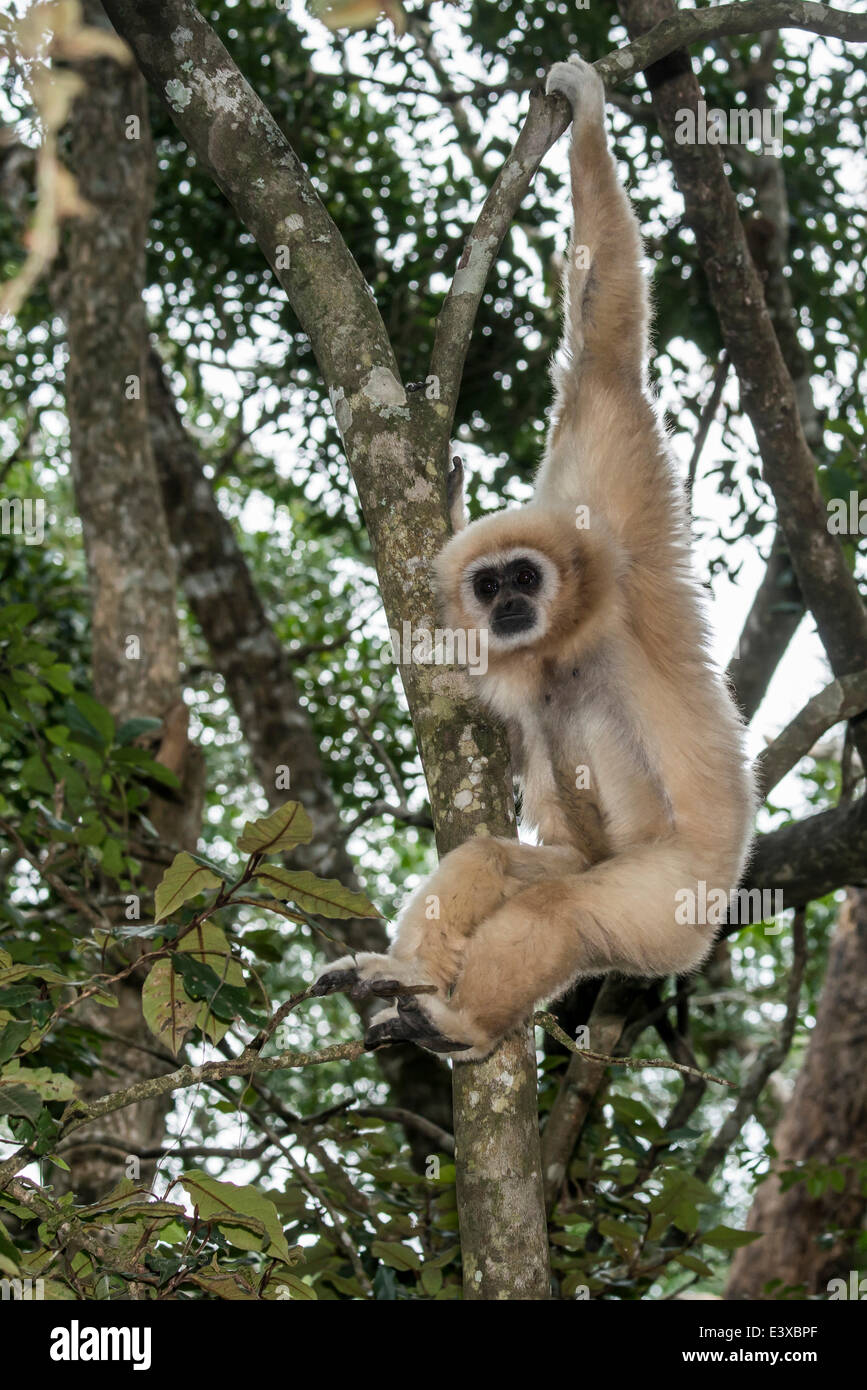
<point x="706" y="419"/>
<point x="550" y="1024"/>
<point x="771" y="1056"/>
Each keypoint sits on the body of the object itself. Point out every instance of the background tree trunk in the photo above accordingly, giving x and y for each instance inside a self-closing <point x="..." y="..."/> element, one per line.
<point x="808" y="1240"/>
<point x="129" y="561"/>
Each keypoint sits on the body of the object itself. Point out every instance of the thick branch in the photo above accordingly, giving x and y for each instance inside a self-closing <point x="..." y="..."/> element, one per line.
<point x="812" y="857"/>
<point x="240" y="144"/>
<point x="686" y="27"/>
<point x="841" y="699"/>
<point x="767" y="392"/>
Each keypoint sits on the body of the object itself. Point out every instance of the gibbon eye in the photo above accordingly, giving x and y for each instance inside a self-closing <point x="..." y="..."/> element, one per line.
<point x="486" y="585"/>
<point x="527" y="577"/>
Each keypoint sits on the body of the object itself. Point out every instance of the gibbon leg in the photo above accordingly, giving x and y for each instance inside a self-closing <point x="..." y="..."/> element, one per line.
<point x="619" y="915"/>
<point x="435" y="926"/>
<point x="468" y="886"/>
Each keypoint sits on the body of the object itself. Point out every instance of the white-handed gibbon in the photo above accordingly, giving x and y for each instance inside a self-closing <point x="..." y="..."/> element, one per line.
<point x="627" y="745"/>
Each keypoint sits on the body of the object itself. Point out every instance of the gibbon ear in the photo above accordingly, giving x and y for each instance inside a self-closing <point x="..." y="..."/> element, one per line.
<point x="455" y="495"/>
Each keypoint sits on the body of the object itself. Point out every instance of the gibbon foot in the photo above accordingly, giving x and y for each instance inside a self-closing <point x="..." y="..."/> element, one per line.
<point x="367" y="974"/>
<point x="580" y="84"/>
<point x="335" y="982"/>
<point x="357" y="987"/>
<point x="409" y="1023"/>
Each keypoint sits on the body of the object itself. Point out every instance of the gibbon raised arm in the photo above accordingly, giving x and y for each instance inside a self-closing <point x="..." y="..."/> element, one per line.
<point x="625" y="740"/>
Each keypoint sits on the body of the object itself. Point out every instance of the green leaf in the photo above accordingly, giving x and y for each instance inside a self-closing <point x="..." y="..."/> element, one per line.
<point x="11" y="1038"/>
<point x="431" y="1280"/>
<point x="182" y="880"/>
<point x="725" y="1238"/>
<point x="208" y="944"/>
<point x="221" y="1201"/>
<point x="168" y="1010"/>
<point x="17" y="615"/>
<point x="20" y="1100"/>
<point x="35" y="774"/>
<point x="323" y="895"/>
<point x="290" y="1286"/>
<point x="220" y="1283"/>
<point x="396" y="1255"/>
<point x="134" y="728"/>
<point x="112" y="857"/>
<point x="20" y="972"/>
<point x="50" y="1085"/>
<point x="95" y="715"/>
<point x="622" y="1236"/>
<point x="694" y="1263"/>
<point x="285" y="828"/>
<point x="201" y="981"/>
<point x="57" y="675"/>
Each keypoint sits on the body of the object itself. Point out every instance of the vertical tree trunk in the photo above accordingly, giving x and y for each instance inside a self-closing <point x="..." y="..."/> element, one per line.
<point x="809" y="1240"/>
<point x="500" y="1200"/>
<point x="397" y="448"/>
<point x="129" y="562"/>
<point x="261" y="685"/>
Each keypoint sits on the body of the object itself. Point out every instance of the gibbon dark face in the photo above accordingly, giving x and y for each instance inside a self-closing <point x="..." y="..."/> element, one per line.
<point x="509" y="588"/>
<point x="528" y="577"/>
<point x="509" y="592"/>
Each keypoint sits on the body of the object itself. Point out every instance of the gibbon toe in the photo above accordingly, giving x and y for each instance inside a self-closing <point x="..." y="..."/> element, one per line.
<point x="339" y="981"/>
<point x="410" y="1023"/>
<point x="382" y="989"/>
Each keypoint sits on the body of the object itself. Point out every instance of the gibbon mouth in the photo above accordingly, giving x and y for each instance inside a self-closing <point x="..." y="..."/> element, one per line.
<point x="519" y="619"/>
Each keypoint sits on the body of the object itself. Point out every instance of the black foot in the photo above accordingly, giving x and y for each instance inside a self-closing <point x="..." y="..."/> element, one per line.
<point x="336" y="982"/>
<point x="383" y="989"/>
<point x="351" y="983"/>
<point x="411" y="1024"/>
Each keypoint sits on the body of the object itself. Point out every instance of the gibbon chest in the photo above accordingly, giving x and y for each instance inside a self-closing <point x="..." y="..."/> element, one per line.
<point x="585" y="776"/>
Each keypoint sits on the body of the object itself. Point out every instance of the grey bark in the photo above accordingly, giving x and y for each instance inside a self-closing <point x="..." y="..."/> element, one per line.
<point x="129" y="563"/>
<point x="260" y="683"/>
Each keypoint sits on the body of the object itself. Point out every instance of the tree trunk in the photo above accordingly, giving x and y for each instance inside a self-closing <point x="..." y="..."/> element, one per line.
<point x="259" y="679"/>
<point x="809" y="1240"/>
<point x="129" y="562"/>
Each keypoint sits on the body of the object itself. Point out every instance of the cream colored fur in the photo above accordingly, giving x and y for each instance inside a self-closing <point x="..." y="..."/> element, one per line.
<point x="616" y="679"/>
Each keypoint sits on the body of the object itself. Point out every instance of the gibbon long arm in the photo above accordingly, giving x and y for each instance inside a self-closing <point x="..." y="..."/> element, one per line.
<point x="625" y="740"/>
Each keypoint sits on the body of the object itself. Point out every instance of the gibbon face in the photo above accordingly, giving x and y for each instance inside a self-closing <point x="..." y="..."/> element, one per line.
<point x="527" y="576"/>
<point x="512" y="591"/>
